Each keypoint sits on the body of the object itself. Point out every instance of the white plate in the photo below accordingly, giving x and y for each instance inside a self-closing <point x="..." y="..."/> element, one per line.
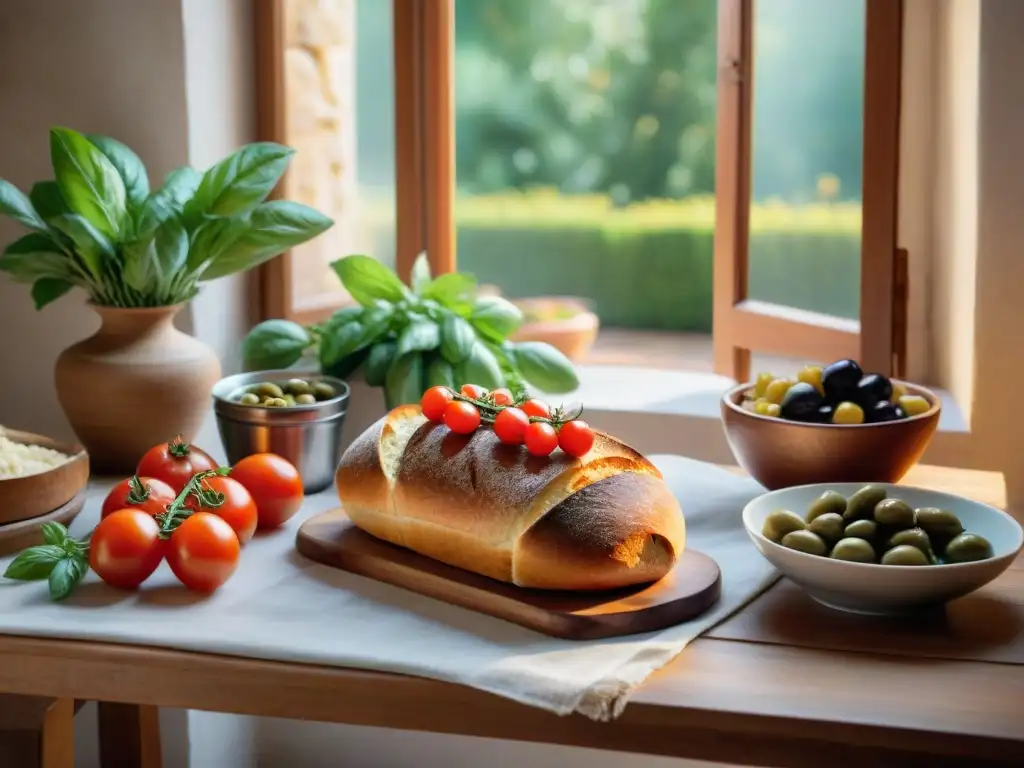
<point x="886" y="589"/>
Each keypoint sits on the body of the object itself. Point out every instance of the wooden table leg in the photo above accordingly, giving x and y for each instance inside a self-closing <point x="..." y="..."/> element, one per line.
<point x="37" y="732"/>
<point x="129" y="735"/>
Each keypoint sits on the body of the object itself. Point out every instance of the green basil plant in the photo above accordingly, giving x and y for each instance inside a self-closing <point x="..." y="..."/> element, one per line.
<point x="406" y="340"/>
<point x="97" y="225"/>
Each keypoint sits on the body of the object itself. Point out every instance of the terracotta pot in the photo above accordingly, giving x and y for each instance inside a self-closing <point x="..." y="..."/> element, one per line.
<point x="138" y="381"/>
<point x="573" y="336"/>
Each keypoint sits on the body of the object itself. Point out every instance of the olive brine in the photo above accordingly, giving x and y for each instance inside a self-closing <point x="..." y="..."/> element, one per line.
<point x="870" y="527"/>
<point x="286" y="394"/>
<point x="839" y="393"/>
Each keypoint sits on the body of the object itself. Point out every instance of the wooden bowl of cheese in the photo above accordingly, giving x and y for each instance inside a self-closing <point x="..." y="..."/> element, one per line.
<point x="38" y="474"/>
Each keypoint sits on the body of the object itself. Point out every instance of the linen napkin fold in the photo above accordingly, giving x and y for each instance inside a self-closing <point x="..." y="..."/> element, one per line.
<point x="281" y="606"/>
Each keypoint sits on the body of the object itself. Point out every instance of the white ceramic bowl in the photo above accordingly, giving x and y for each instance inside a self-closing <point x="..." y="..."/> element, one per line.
<point x="886" y="589"/>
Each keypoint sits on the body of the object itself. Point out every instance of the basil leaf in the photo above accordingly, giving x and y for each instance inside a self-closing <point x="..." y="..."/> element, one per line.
<point x="481" y="367"/>
<point x="404" y="382"/>
<point x="495" y="318"/>
<point x="343" y="339"/>
<point x="545" y="367"/>
<point x="91" y="244"/>
<point x="13" y="203"/>
<point x="55" y="533"/>
<point x="344" y="315"/>
<point x="168" y="201"/>
<point x="377" y="363"/>
<point x="35" y="563"/>
<point x="454" y="290"/>
<point x="47" y="290"/>
<point x="158" y="258"/>
<point x="457" y="339"/>
<point x="419" y="336"/>
<point x="33" y="257"/>
<point x="420" y="274"/>
<point x="88" y="181"/>
<point x="440" y="373"/>
<point x="66" y="574"/>
<point x="240" y="181"/>
<point x="367" y="280"/>
<point x="129" y="166"/>
<point x="347" y="365"/>
<point x="47" y="199"/>
<point x="272" y="229"/>
<point x="274" y="344"/>
<point x="212" y="239"/>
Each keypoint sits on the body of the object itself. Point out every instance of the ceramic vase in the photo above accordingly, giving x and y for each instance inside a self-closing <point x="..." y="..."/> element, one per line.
<point x="135" y="383"/>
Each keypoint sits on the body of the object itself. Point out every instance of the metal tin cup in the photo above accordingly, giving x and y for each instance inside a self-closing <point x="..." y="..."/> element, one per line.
<point x="309" y="436"/>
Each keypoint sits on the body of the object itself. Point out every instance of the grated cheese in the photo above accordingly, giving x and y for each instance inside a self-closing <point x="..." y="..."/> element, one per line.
<point x="20" y="460"/>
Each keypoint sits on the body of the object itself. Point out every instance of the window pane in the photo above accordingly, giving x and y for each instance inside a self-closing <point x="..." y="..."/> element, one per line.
<point x="338" y="65"/>
<point x="805" y="227"/>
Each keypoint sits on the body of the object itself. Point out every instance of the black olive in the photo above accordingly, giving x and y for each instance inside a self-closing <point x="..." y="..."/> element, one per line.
<point x="885" y="411"/>
<point x="801" y="402"/>
<point x="840" y="379"/>
<point x="872" y="389"/>
<point x="824" y="414"/>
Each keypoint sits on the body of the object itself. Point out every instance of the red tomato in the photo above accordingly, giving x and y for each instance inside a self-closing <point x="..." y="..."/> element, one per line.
<point x="576" y="438"/>
<point x="145" y="493"/>
<point x="474" y="391"/>
<point x="434" y="401"/>
<point x="461" y="417"/>
<point x="510" y="426"/>
<point x="502" y="397"/>
<point x="125" y="548"/>
<point x="175" y="463"/>
<point x="238" y="509"/>
<point x="541" y="438"/>
<point x="537" y="408"/>
<point x="274" y="484"/>
<point x="203" y="552"/>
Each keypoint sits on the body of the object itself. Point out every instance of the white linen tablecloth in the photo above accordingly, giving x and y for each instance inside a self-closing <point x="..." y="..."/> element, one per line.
<point x="283" y="607"/>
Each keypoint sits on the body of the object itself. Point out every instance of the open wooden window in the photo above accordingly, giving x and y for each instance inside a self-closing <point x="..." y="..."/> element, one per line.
<point x="743" y="319"/>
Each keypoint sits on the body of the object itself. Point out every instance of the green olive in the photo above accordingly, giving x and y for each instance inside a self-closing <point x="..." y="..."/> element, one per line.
<point x="323" y="391"/>
<point x="275" y="402"/>
<point x="269" y="389"/>
<point x="905" y="555"/>
<point x="828" y="526"/>
<point x="968" y="548"/>
<point x="805" y="541"/>
<point x="862" y="504"/>
<point x="912" y="537"/>
<point x="939" y="523"/>
<point x="861" y="529"/>
<point x="249" y="398"/>
<point x="894" y="513"/>
<point x="853" y="550"/>
<point x="830" y="502"/>
<point x="289" y="398"/>
<point x="297" y="387"/>
<point x="305" y="400"/>
<point x="780" y="522"/>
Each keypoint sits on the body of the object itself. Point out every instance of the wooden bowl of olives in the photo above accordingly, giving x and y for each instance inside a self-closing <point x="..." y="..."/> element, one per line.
<point x="881" y="548"/>
<point x="828" y="424"/>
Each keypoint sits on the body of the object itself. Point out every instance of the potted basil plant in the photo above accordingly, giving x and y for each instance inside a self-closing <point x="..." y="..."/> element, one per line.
<point x="406" y="339"/>
<point x="140" y="255"/>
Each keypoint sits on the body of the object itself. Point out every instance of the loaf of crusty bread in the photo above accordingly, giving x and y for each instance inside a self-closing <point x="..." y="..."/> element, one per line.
<point x="600" y="522"/>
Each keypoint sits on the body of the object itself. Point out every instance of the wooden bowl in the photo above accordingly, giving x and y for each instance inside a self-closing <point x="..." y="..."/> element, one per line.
<point x="22" y="498"/>
<point x="782" y="454"/>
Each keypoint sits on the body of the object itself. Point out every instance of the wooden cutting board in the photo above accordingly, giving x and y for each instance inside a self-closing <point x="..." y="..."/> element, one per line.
<point x="22" y="534"/>
<point x="688" y="591"/>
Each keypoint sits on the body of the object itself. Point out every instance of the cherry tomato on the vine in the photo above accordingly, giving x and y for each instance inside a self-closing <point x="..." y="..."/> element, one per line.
<point x="576" y="438"/>
<point x="541" y="438"/>
<point x="537" y="408"/>
<point x="461" y="417"/>
<point x="274" y="484"/>
<point x="145" y="493"/>
<point x="125" y="548"/>
<point x="203" y="552"/>
<point x="501" y="397"/>
<point x="175" y="463"/>
<point x="238" y="509"/>
<point x="474" y="391"/>
<point x="434" y="401"/>
<point x="510" y="426"/>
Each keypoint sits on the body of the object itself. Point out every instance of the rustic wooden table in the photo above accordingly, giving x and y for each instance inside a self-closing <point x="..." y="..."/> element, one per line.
<point x="783" y="683"/>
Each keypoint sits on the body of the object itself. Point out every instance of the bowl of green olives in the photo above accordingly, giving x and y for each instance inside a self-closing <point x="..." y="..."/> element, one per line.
<point x="881" y="548"/>
<point x="832" y="423"/>
<point x="297" y="416"/>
